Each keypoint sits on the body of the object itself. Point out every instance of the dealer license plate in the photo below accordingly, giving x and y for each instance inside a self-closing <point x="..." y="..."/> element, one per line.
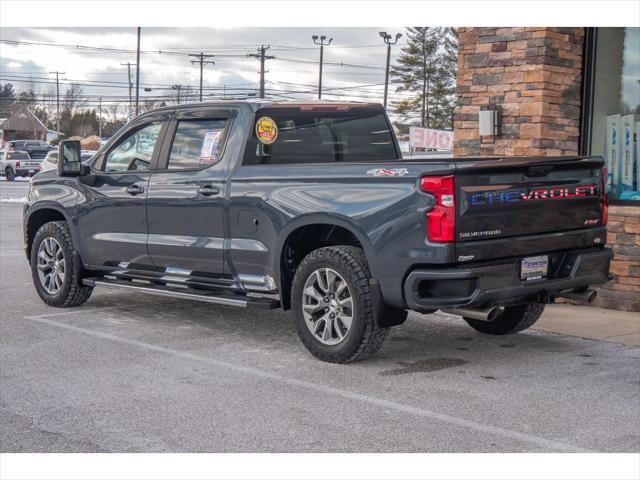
<point x="534" y="268"/>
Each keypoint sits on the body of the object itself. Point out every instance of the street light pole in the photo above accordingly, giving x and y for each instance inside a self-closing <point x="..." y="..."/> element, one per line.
<point x="387" y="39"/>
<point x="322" y="45"/>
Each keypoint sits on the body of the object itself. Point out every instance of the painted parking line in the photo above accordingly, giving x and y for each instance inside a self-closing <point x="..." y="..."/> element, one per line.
<point x="548" y="445"/>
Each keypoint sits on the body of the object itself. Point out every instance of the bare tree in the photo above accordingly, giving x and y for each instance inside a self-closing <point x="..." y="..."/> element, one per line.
<point x="73" y="99"/>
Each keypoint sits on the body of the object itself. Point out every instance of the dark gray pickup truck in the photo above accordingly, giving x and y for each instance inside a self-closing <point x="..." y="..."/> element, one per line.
<point x="311" y="207"/>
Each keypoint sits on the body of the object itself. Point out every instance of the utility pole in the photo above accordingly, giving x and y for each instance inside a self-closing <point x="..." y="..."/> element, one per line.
<point x="322" y="45"/>
<point x="178" y="88"/>
<point x="262" y="57"/>
<point x="100" y="117"/>
<point x="201" y="60"/>
<point x="58" y="98"/>
<point x="128" y="64"/>
<point x="138" y="73"/>
<point x="387" y="39"/>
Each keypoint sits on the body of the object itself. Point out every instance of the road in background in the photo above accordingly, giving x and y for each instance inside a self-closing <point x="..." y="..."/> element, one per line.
<point x="134" y="373"/>
<point x="13" y="190"/>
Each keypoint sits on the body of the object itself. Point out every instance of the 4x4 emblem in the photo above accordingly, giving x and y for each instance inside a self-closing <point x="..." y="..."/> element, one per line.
<point x="388" y="172"/>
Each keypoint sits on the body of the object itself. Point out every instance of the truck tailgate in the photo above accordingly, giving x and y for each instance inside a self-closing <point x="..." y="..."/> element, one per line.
<point x="511" y="199"/>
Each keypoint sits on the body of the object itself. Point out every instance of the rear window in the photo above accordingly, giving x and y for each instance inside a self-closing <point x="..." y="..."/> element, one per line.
<point x="358" y="134"/>
<point x="18" y="156"/>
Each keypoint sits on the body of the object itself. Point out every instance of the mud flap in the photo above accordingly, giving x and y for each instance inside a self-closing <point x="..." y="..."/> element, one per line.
<point x="385" y="316"/>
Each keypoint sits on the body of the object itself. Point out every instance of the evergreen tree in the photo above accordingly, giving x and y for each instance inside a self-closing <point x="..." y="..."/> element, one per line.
<point x="426" y="67"/>
<point x="7" y="97"/>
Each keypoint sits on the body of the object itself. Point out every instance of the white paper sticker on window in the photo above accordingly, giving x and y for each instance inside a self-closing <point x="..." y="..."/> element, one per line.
<point x="210" y="145"/>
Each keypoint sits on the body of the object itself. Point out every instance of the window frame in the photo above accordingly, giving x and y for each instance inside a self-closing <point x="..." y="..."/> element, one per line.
<point x="260" y="113"/>
<point x="98" y="165"/>
<point x="228" y="116"/>
<point x="588" y="96"/>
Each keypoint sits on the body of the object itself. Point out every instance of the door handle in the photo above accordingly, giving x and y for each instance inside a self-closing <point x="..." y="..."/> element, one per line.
<point x="208" y="190"/>
<point x="135" y="190"/>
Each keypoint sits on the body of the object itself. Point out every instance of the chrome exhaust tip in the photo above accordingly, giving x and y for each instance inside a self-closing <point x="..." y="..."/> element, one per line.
<point x="483" y="314"/>
<point x="587" y="295"/>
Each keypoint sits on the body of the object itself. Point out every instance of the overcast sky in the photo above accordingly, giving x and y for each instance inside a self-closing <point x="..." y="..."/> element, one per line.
<point x="360" y="51"/>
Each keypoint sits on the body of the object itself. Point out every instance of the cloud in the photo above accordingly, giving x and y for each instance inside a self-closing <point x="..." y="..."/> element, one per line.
<point x="293" y="72"/>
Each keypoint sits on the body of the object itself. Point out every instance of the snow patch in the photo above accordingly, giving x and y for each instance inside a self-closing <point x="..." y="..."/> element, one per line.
<point x="17" y="179"/>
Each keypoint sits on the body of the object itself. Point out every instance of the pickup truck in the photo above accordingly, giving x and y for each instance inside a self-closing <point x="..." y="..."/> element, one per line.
<point x="17" y="163"/>
<point x="37" y="149"/>
<point x="309" y="206"/>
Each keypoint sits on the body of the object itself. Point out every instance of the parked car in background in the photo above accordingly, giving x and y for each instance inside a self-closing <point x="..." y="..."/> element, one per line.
<point x="51" y="160"/>
<point x="17" y="163"/>
<point x="37" y="149"/>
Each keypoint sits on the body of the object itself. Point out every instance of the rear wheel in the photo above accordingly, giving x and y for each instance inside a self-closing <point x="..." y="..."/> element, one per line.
<point x="56" y="272"/>
<point x="334" y="309"/>
<point x="9" y="175"/>
<point x="510" y="320"/>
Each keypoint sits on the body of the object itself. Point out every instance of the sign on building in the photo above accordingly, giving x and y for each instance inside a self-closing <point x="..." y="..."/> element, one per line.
<point x="430" y="138"/>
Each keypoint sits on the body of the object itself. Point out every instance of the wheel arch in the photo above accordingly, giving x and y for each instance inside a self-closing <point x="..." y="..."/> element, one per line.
<point x="38" y="216"/>
<point x="306" y="234"/>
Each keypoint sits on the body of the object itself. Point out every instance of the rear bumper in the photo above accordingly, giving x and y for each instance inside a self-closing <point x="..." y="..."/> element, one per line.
<point x="499" y="283"/>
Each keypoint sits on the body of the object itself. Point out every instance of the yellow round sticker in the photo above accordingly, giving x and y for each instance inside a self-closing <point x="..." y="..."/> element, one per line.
<point x="266" y="130"/>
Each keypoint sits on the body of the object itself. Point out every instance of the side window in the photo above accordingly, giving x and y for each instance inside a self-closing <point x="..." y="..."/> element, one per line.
<point x="196" y="144"/>
<point x="310" y="135"/>
<point x="134" y="151"/>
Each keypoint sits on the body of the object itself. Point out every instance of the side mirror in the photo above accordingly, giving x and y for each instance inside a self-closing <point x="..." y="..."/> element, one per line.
<point x="69" y="158"/>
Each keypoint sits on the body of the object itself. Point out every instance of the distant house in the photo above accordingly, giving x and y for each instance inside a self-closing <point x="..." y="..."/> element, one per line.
<point x="22" y="124"/>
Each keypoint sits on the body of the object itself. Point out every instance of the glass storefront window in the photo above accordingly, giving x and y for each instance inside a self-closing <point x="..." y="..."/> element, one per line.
<point x="616" y="109"/>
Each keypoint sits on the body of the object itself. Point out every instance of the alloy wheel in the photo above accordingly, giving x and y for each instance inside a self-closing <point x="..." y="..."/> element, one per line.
<point x="51" y="267"/>
<point x="327" y="306"/>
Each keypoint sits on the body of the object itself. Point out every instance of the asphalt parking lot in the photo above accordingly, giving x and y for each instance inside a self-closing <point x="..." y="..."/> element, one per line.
<point x="132" y="373"/>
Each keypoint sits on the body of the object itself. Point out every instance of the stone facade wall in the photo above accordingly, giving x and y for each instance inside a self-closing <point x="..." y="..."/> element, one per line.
<point x="534" y="75"/>
<point x="623" y="293"/>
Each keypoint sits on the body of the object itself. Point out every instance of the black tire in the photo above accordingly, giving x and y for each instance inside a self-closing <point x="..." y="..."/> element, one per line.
<point x="364" y="336"/>
<point x="511" y="320"/>
<point x="73" y="292"/>
<point x="9" y="174"/>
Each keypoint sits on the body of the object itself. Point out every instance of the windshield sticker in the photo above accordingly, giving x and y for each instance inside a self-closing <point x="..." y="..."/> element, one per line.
<point x="210" y="146"/>
<point x="266" y="130"/>
<point x="388" y="172"/>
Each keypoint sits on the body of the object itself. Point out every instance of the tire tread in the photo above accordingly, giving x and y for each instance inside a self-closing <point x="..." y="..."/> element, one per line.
<point x="78" y="293"/>
<point x="373" y="337"/>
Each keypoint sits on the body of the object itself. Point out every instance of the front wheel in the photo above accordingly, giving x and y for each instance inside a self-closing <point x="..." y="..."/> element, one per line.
<point x="56" y="273"/>
<point x="333" y="305"/>
<point x="510" y="320"/>
<point x="9" y="175"/>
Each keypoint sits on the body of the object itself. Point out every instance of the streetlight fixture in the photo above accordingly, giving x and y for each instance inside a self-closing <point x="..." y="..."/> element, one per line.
<point x="387" y="39"/>
<point x="322" y="45"/>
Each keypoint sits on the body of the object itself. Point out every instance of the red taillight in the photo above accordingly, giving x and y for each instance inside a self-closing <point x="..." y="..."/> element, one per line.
<point x="441" y="219"/>
<point x="605" y="197"/>
<point x="17" y="164"/>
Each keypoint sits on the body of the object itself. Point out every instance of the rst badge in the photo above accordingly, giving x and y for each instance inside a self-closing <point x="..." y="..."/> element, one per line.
<point x="388" y="172"/>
